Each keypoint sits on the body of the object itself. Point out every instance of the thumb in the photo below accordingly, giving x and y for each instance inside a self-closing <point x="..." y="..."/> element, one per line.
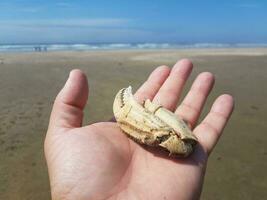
<point x="69" y="104"/>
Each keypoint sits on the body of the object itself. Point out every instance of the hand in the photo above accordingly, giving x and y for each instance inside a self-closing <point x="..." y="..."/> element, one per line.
<point x="100" y="162"/>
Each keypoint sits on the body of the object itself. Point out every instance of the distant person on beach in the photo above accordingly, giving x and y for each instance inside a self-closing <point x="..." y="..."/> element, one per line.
<point x="99" y="162"/>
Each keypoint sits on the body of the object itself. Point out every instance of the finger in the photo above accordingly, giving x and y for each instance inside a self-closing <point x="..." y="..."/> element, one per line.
<point x="210" y="130"/>
<point x="150" y="88"/>
<point x="168" y="95"/>
<point x="192" y="105"/>
<point x="69" y="104"/>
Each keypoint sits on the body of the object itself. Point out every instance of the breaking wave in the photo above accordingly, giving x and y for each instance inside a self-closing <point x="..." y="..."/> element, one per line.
<point x="116" y="46"/>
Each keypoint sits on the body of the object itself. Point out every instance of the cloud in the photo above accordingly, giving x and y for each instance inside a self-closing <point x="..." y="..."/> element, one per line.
<point x="16" y="8"/>
<point x="27" y="9"/>
<point x="67" y="23"/>
<point x="72" y="35"/>
<point x="249" y="5"/>
<point x="69" y="30"/>
<point x="64" y="4"/>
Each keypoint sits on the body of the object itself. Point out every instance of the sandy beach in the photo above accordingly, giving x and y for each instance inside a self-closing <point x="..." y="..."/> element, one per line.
<point x="30" y="81"/>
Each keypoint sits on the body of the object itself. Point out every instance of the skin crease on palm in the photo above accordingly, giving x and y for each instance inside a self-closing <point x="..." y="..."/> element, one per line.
<point x="100" y="162"/>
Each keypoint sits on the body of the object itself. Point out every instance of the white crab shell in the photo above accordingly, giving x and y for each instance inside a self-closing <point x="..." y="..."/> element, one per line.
<point x="152" y="125"/>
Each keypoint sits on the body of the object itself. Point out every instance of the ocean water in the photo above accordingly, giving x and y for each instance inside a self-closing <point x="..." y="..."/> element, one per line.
<point x="116" y="46"/>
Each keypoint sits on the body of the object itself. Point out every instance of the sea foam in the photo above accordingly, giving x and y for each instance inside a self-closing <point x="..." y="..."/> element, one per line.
<point x="117" y="46"/>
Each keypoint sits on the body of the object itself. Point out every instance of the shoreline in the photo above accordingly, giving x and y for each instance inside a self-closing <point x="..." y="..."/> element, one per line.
<point x="208" y="51"/>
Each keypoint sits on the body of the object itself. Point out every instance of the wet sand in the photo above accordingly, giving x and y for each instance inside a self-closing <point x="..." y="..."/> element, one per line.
<point x="30" y="81"/>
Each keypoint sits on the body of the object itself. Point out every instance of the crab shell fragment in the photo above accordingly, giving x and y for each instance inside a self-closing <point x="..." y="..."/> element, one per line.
<point x="152" y="125"/>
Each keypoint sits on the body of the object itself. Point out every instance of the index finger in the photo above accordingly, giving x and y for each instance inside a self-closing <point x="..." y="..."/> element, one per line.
<point x="152" y="85"/>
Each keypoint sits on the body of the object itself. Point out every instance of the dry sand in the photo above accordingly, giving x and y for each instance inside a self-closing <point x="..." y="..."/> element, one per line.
<point x="30" y="81"/>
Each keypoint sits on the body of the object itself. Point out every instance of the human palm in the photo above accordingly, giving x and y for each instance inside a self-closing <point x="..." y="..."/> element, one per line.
<point x="100" y="162"/>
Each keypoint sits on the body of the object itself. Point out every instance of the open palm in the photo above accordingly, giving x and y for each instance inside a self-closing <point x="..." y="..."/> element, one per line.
<point x="100" y="162"/>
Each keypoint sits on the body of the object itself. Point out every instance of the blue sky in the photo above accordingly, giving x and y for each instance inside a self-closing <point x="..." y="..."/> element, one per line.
<point x="121" y="21"/>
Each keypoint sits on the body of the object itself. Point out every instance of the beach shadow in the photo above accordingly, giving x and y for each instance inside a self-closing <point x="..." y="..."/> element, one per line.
<point x="254" y="107"/>
<point x="11" y="148"/>
<point x="2" y="142"/>
<point x="2" y="132"/>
